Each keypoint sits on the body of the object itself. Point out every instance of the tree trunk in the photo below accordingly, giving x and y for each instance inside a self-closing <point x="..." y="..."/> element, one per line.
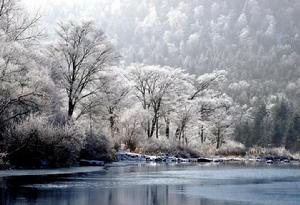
<point x="176" y="133"/>
<point x="70" y="109"/>
<point x="184" y="139"/>
<point x="156" y="128"/>
<point x="154" y="123"/>
<point x="202" y="134"/>
<point x="112" y="126"/>
<point x="218" y="138"/>
<point x="152" y="128"/>
<point x="167" y="128"/>
<point x="148" y="129"/>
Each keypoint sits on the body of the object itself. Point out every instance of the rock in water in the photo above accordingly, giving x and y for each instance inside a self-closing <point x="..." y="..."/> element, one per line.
<point x="205" y="160"/>
<point x="84" y="162"/>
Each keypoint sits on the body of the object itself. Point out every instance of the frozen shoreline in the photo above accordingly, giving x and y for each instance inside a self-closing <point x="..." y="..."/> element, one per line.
<point x="129" y="156"/>
<point x="41" y="172"/>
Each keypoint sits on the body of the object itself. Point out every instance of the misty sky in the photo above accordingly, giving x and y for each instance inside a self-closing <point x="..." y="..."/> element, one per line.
<point x="53" y="11"/>
<point x="73" y="7"/>
<point x="46" y="4"/>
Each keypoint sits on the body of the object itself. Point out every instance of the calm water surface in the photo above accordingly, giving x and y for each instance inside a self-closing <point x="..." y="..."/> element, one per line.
<point x="154" y="184"/>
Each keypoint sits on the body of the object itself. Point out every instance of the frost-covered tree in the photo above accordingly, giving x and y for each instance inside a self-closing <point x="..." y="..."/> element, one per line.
<point x="25" y="85"/>
<point x="152" y="85"/>
<point x="79" y="55"/>
<point x="223" y="120"/>
<point x="24" y="82"/>
<point x="112" y="98"/>
<point x="198" y="104"/>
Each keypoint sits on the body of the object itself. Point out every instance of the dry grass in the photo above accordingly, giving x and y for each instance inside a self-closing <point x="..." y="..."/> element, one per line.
<point x="262" y="152"/>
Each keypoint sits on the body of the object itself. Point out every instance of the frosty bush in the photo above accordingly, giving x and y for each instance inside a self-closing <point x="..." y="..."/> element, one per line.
<point x="133" y="124"/>
<point x="261" y="151"/>
<point x="159" y="146"/>
<point x="97" y="147"/>
<point x="232" y="148"/>
<point x="36" y="143"/>
<point x="168" y="147"/>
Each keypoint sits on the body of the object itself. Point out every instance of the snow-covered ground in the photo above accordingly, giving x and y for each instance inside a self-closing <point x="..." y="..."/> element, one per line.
<point x="129" y="156"/>
<point x="135" y="157"/>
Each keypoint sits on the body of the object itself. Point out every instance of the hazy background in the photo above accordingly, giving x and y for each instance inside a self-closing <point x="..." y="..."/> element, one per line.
<point x="256" y="41"/>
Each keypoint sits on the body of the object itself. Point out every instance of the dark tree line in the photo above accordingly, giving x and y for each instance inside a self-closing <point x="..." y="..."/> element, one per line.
<point x="275" y="127"/>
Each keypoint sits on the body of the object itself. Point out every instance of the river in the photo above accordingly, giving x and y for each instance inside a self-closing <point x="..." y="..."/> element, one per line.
<point x="155" y="184"/>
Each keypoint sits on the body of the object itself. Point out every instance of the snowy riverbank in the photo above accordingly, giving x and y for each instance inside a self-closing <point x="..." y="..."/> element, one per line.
<point x="129" y="156"/>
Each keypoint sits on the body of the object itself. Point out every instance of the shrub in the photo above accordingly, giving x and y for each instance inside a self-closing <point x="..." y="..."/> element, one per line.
<point x="262" y="152"/>
<point x="36" y="143"/>
<point x="207" y="149"/>
<point x="3" y="161"/>
<point x="186" y="152"/>
<point x="97" y="147"/>
<point x="169" y="147"/>
<point x="158" y="146"/>
<point x="131" y="143"/>
<point x="116" y="145"/>
<point x="132" y="122"/>
<point x="232" y="148"/>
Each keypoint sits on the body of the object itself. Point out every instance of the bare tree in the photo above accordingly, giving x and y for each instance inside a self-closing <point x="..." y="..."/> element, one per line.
<point x="80" y="54"/>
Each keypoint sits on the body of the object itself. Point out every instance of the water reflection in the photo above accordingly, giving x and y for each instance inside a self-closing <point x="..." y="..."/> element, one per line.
<point x="163" y="185"/>
<point x="146" y="195"/>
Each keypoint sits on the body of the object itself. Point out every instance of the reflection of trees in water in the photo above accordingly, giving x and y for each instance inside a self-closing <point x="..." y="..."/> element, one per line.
<point x="121" y="188"/>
